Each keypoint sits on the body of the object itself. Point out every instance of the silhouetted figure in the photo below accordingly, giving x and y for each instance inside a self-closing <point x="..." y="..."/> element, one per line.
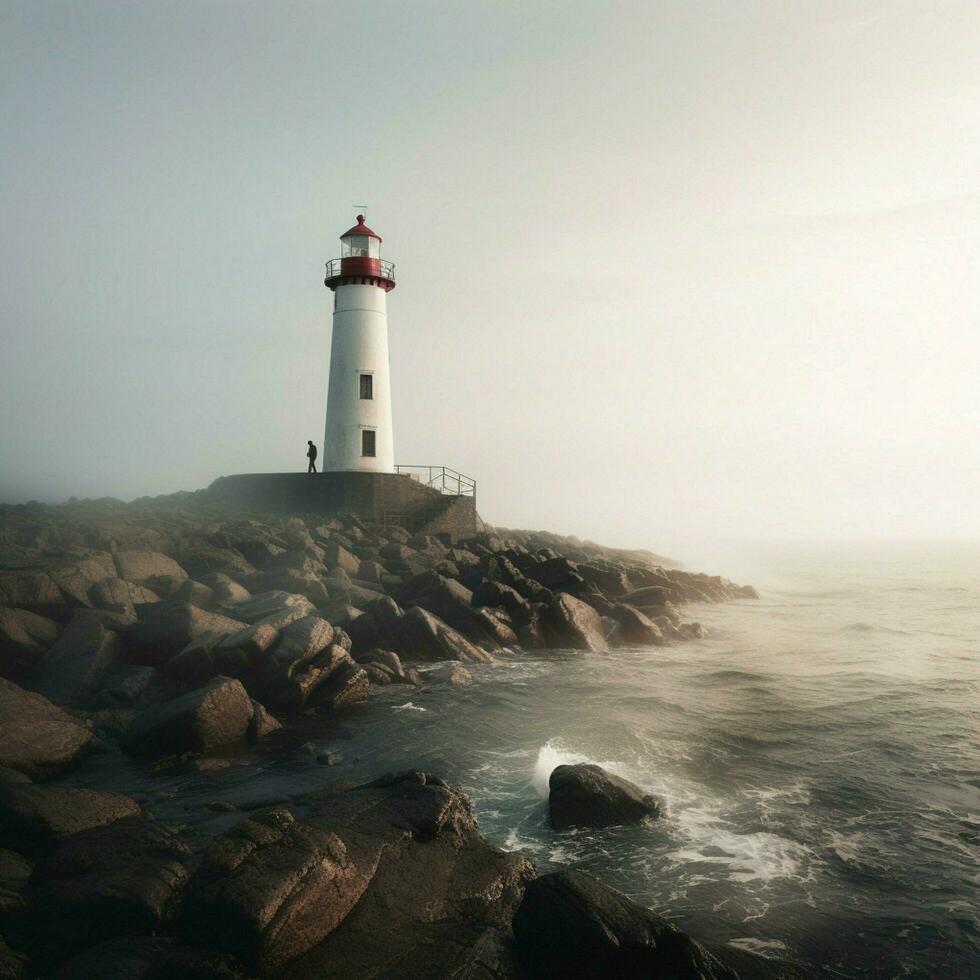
<point x="311" y="456"/>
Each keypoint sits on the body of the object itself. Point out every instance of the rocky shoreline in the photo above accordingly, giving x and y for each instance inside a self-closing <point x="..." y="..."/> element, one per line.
<point x="176" y="630"/>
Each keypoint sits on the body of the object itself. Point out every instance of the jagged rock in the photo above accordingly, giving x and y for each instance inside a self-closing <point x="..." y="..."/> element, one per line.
<point x="33" y="818"/>
<point x="215" y="715"/>
<point x="637" y="628"/>
<point x="569" y="622"/>
<point x="370" y="571"/>
<point x="337" y="556"/>
<point x="653" y="595"/>
<point x="150" y="568"/>
<point x="345" y="684"/>
<point x="129" y="686"/>
<point x="24" y="636"/>
<point x="116" y="595"/>
<point x="149" y="958"/>
<point x="225" y="590"/>
<point x="692" y="631"/>
<point x="34" y="591"/>
<point x="609" y="581"/>
<point x="438" y="890"/>
<point x="279" y="608"/>
<point x="169" y="627"/>
<point x="121" y="879"/>
<point x="76" y="578"/>
<point x="196" y="593"/>
<point x="452" y="603"/>
<point x="273" y="887"/>
<point x="454" y="675"/>
<point x="569" y="925"/>
<point x="385" y="658"/>
<point x="36" y="737"/>
<point x="261" y="723"/>
<point x="585" y="795"/>
<point x="78" y="662"/>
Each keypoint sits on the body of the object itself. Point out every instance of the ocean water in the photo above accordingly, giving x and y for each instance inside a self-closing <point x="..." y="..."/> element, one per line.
<point x="818" y="755"/>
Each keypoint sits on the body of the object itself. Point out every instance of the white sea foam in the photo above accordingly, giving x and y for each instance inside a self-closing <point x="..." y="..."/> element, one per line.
<point x="409" y="706"/>
<point x="761" y="947"/>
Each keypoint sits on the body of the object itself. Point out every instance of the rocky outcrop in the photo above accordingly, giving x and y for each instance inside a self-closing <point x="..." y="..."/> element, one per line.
<point x="585" y="795"/>
<point x="569" y="925"/>
<point x="274" y="887"/>
<point x="149" y="958"/>
<point x="36" y="737"/>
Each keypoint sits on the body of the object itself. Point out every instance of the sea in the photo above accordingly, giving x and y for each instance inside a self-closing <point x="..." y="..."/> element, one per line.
<point x="817" y="755"/>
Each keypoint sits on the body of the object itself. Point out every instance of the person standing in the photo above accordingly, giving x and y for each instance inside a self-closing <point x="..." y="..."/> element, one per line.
<point x="311" y="456"/>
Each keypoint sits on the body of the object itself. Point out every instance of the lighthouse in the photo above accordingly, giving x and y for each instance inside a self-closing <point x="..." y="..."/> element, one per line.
<point x="358" y="435"/>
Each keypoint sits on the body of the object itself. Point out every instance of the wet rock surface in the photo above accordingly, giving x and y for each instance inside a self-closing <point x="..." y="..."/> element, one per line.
<point x="173" y="636"/>
<point x="585" y="795"/>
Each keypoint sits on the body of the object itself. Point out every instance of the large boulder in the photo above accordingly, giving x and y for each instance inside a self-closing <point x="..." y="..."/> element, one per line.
<point x="35" y="591"/>
<point x="208" y="718"/>
<point x="76" y="578"/>
<point x="636" y="628"/>
<point x="652" y="595"/>
<point x="33" y="818"/>
<point x="585" y="795"/>
<point x="440" y="892"/>
<point x="80" y="659"/>
<point x="36" y="737"/>
<point x="273" y="887"/>
<point x="278" y="606"/>
<point x="150" y="568"/>
<point x="569" y="622"/>
<point x="452" y="602"/>
<point x="24" y="636"/>
<point x="414" y="635"/>
<point x="121" y="879"/>
<point x="569" y="925"/>
<point x="169" y="627"/>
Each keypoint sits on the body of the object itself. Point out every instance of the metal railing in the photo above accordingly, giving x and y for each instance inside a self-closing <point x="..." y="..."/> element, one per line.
<point x="442" y="478"/>
<point x="386" y="269"/>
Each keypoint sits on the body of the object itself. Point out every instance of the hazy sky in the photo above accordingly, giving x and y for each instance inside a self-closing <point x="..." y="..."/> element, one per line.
<point x="667" y="270"/>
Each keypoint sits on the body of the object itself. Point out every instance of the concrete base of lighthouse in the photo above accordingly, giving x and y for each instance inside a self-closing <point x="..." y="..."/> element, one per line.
<point x="377" y="498"/>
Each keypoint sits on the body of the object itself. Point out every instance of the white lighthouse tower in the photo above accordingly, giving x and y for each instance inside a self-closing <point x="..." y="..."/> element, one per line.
<point x="358" y="434"/>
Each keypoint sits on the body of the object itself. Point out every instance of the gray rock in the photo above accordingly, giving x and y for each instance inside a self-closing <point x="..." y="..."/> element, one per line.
<point x="569" y="622"/>
<point x="37" y="738"/>
<point x="24" y="636"/>
<point x="261" y="723"/>
<point x="337" y="556"/>
<point x="569" y="925"/>
<point x="637" y="628"/>
<point x="208" y="718"/>
<point x="169" y="627"/>
<point x="280" y="607"/>
<point x="149" y="568"/>
<point x="273" y="887"/>
<point x="585" y="795"/>
<point x="78" y="662"/>
<point x="454" y="675"/>
<point x="15" y="874"/>
<point x="33" y="818"/>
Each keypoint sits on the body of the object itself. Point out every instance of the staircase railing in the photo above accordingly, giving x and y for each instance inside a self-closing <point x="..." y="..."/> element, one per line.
<point x="442" y="478"/>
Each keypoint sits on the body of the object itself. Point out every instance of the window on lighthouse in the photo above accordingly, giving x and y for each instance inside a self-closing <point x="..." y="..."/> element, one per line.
<point x="360" y="246"/>
<point x="367" y="386"/>
<point x="367" y="442"/>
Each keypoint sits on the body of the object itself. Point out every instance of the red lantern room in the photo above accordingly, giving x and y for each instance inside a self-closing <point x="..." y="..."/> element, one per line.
<point x="360" y="260"/>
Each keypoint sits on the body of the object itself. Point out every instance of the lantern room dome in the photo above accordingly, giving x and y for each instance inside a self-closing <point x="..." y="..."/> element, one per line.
<point x="361" y="229"/>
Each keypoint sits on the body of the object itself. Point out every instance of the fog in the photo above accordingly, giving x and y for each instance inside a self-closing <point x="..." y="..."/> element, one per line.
<point x="667" y="272"/>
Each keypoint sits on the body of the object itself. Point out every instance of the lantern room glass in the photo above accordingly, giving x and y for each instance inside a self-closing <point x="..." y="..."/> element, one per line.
<point x="360" y="246"/>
